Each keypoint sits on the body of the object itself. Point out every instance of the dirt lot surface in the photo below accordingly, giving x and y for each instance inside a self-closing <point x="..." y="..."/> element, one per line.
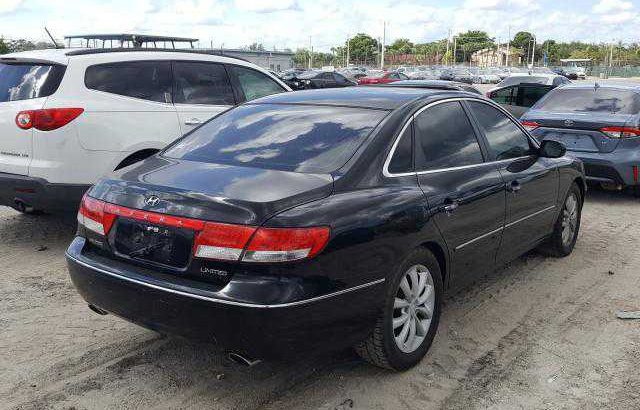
<point x="540" y="333"/>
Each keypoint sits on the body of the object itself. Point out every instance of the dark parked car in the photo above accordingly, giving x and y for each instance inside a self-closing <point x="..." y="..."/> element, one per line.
<point x="518" y="93"/>
<point x="323" y="219"/>
<point x="598" y="124"/>
<point x="319" y="79"/>
<point x="435" y="85"/>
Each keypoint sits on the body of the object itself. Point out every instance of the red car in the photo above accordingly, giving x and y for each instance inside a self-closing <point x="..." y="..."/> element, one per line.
<point x="383" y="77"/>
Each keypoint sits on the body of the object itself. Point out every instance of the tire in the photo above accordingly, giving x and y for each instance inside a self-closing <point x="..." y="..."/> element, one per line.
<point x="381" y="348"/>
<point x="556" y="245"/>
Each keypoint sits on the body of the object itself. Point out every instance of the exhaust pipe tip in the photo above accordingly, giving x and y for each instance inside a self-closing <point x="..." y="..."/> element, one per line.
<point x="242" y="359"/>
<point x="98" y="310"/>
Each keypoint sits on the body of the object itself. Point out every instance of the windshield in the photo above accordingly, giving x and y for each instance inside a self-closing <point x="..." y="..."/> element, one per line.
<point x="302" y="138"/>
<point x="27" y="81"/>
<point x="608" y="100"/>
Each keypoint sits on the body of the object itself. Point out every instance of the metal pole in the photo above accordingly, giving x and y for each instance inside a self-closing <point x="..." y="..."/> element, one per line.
<point x="310" y="53"/>
<point x="384" y="34"/>
<point x="348" y="45"/>
<point x="509" y="47"/>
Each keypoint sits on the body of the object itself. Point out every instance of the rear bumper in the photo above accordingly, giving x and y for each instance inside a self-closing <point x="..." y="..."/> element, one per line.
<point x="38" y="193"/>
<point x="615" y="167"/>
<point x="326" y="322"/>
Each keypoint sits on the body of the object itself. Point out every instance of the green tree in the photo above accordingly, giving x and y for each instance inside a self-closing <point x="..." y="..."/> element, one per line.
<point x="363" y="48"/>
<point x="301" y="57"/>
<point x="256" y="47"/>
<point x="4" y="47"/>
<point x="521" y="40"/>
<point x="401" y="46"/>
<point x="470" y="42"/>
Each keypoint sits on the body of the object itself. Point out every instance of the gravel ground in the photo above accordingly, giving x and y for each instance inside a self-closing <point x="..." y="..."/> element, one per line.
<point x="540" y="333"/>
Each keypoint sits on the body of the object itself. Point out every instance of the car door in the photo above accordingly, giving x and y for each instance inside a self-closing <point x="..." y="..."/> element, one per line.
<point x="465" y="194"/>
<point x="200" y="91"/>
<point x="340" y="80"/>
<point x="531" y="181"/>
<point x="251" y="84"/>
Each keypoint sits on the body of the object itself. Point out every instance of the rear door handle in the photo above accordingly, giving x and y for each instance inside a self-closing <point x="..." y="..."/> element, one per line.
<point x="193" y="121"/>
<point x="450" y="206"/>
<point x="514" y="186"/>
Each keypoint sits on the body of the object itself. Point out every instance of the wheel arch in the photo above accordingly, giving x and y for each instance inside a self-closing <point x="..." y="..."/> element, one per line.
<point x="441" y="256"/>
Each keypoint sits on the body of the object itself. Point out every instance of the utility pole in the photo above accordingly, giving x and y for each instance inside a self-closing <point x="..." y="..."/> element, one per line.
<point x="310" y="54"/>
<point x="533" y="50"/>
<point x="509" y="47"/>
<point x="348" y="45"/>
<point x="384" y="34"/>
<point x="448" y="41"/>
<point x="455" y="49"/>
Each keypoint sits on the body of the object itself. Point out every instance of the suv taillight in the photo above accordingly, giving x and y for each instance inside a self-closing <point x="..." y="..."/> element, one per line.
<point x="214" y="240"/>
<point x="48" y="119"/>
<point x="621" y="132"/>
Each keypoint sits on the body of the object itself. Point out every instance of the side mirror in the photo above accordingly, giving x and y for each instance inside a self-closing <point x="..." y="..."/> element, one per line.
<point x="552" y="149"/>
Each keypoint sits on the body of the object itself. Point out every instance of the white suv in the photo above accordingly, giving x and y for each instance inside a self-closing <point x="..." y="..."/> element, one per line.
<point x="69" y="116"/>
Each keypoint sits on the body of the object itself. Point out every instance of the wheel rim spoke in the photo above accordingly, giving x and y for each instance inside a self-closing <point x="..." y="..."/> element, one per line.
<point x="400" y="303"/>
<point x="397" y="322"/>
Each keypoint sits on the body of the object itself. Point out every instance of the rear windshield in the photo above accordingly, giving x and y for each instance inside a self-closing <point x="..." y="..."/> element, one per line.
<point x="302" y="138"/>
<point x="530" y="79"/>
<point x="607" y="100"/>
<point x="27" y="81"/>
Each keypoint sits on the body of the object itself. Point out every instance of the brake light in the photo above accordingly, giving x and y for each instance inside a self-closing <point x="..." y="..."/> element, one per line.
<point x="286" y="244"/>
<point x="93" y="217"/>
<point x="47" y="120"/>
<point x="621" y="132"/>
<point x="530" y="125"/>
<point x="214" y="240"/>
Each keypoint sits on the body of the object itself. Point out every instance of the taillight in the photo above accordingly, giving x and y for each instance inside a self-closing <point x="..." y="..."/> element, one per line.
<point x="286" y="244"/>
<point x="48" y="119"/>
<point x="93" y="217"/>
<point x="222" y="241"/>
<point x="530" y="125"/>
<point x="214" y="240"/>
<point x="621" y="132"/>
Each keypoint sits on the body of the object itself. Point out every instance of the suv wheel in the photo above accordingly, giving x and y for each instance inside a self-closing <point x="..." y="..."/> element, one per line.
<point x="406" y="327"/>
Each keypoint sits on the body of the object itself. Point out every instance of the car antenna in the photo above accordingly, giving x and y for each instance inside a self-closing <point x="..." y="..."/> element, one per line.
<point x="55" y="44"/>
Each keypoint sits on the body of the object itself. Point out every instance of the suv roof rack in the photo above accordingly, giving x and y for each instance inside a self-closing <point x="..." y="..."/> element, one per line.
<point x="89" y="51"/>
<point x="133" y="40"/>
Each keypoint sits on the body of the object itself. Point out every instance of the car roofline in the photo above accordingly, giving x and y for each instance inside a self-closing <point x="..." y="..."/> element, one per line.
<point x="90" y="51"/>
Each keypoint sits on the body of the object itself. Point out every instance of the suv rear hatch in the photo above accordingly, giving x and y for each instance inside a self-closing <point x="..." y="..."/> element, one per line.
<point x="24" y="86"/>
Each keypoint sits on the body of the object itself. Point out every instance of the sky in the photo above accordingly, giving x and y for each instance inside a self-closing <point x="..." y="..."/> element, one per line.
<point x="322" y="23"/>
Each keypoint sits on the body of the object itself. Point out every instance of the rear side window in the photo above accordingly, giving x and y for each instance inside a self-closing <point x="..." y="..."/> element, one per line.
<point x="255" y="84"/>
<point x="402" y="160"/>
<point x="504" y="95"/>
<point x="600" y="99"/>
<point x="202" y="83"/>
<point x="506" y="140"/>
<point x="529" y="95"/>
<point x="302" y="138"/>
<point x="146" y="80"/>
<point x="27" y="81"/>
<point x="445" y="138"/>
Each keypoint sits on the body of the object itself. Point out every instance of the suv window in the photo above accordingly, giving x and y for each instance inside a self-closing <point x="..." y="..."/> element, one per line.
<point x="255" y="84"/>
<point x="530" y="94"/>
<point x="27" y="81"/>
<point x="402" y="160"/>
<point x="445" y="138"/>
<point x="147" y="80"/>
<point x="504" y="95"/>
<point x="506" y="140"/>
<point x="202" y="83"/>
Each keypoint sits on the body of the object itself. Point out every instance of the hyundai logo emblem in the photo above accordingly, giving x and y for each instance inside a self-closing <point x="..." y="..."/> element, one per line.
<point x="568" y="123"/>
<point x="151" y="200"/>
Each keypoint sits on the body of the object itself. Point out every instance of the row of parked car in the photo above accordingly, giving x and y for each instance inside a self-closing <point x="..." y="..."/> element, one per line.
<point x="223" y="207"/>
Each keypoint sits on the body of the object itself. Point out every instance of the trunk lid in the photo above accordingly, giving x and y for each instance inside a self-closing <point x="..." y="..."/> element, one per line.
<point x="579" y="132"/>
<point x="212" y="192"/>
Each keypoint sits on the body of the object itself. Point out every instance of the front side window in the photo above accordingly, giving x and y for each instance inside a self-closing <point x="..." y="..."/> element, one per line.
<point x="27" y="81"/>
<point x="301" y="138"/>
<point x="254" y="84"/>
<point x="202" y="83"/>
<point x="506" y="140"/>
<point x="147" y="80"/>
<point x="444" y="138"/>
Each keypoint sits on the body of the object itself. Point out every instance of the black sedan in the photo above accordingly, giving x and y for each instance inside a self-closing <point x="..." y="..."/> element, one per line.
<point x="323" y="219"/>
<point x="319" y="79"/>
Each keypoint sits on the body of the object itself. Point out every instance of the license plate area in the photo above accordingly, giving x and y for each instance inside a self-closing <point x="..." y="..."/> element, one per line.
<point x="572" y="141"/>
<point x="150" y="243"/>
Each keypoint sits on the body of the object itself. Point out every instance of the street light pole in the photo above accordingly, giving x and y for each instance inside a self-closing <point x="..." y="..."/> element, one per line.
<point x="384" y="34"/>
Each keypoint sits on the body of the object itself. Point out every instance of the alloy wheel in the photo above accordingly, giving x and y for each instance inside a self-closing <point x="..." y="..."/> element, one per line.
<point x="413" y="308"/>
<point x="569" y="219"/>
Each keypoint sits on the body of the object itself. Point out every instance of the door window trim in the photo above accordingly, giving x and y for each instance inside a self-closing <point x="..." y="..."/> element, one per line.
<point x="385" y="167"/>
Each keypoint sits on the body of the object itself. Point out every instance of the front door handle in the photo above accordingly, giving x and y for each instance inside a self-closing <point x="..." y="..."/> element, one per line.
<point x="193" y="121"/>
<point x="514" y="186"/>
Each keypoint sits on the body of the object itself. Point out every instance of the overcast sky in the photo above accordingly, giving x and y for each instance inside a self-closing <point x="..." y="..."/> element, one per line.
<point x="290" y="23"/>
